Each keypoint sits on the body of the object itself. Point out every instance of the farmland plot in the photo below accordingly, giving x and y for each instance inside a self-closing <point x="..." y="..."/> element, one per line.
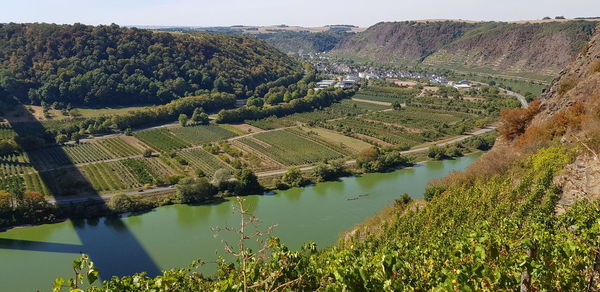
<point x="202" y="160"/>
<point x="161" y="139"/>
<point x="198" y="135"/>
<point x="117" y="147"/>
<point x="291" y="149"/>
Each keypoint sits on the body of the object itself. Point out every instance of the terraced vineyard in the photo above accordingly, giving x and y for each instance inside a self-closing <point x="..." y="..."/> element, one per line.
<point x="198" y="135"/>
<point x="161" y="139"/>
<point x="202" y="160"/>
<point x="279" y="145"/>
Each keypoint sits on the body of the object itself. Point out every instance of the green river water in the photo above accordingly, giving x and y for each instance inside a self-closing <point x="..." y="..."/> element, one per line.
<point x="171" y="236"/>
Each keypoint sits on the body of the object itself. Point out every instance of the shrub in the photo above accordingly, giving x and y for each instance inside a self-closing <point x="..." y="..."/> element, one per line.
<point x="122" y="203"/>
<point x="566" y="85"/>
<point x="596" y="67"/>
<point x="516" y="121"/>
<point x="433" y="191"/>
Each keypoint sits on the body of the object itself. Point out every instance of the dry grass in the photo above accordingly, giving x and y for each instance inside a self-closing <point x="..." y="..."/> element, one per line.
<point x="567" y="85"/>
<point x="596" y="67"/>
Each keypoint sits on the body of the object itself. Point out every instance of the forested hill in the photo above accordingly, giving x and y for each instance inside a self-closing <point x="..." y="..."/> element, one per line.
<point x="107" y="65"/>
<point x="538" y="48"/>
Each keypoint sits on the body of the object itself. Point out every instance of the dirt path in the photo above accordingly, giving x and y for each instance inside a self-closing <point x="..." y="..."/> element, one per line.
<point x="372" y="101"/>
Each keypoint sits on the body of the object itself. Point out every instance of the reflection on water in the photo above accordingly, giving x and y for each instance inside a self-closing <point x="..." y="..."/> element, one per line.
<point x="176" y="235"/>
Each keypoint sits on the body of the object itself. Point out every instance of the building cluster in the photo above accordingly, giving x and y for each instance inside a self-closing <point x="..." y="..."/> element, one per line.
<point x="334" y="69"/>
<point x="344" y="83"/>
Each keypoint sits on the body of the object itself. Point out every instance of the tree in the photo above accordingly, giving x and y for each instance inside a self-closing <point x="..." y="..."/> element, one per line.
<point x="183" y="120"/>
<point x="293" y="178"/>
<point x="128" y="132"/>
<point x="247" y="182"/>
<point x="200" y="117"/>
<point x="75" y="136"/>
<point x="122" y="203"/>
<point x="220" y="176"/>
<point x="191" y="190"/>
<point x="61" y="139"/>
<point x="397" y="105"/>
<point x="437" y="152"/>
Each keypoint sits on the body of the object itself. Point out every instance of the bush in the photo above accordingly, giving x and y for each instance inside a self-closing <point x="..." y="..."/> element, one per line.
<point x="433" y="191"/>
<point x="121" y="204"/>
<point x="566" y="85"/>
<point x="192" y="190"/>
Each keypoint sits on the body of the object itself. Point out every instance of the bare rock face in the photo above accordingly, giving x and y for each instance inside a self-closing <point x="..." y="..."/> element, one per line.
<point x="579" y="180"/>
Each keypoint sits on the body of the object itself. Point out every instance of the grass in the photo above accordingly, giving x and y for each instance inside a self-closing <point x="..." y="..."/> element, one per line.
<point x="107" y="111"/>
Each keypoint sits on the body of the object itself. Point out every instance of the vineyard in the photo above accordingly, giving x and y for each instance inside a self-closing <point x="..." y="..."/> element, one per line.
<point x="6" y="132"/>
<point x="418" y="118"/>
<point x="117" y="147"/>
<point x="345" y="108"/>
<point x="386" y="94"/>
<point x="198" y="135"/>
<point x="201" y="160"/>
<point x="278" y="145"/>
<point x="66" y="155"/>
<point x="161" y="140"/>
<point x="385" y="132"/>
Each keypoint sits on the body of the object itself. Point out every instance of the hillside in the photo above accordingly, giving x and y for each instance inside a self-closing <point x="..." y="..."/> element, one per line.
<point x="525" y="216"/>
<point x="523" y="48"/>
<point x="109" y="65"/>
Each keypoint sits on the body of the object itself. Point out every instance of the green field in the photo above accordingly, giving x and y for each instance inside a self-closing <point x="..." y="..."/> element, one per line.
<point x="68" y="155"/>
<point x="290" y="149"/>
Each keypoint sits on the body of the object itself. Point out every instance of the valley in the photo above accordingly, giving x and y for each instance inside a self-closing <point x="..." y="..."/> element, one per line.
<point x="429" y="155"/>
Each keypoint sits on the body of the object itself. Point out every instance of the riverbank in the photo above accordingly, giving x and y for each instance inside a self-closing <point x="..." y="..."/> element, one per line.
<point x="173" y="236"/>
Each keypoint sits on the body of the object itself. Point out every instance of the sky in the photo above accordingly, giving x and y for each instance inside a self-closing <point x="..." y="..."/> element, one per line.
<point x="307" y="13"/>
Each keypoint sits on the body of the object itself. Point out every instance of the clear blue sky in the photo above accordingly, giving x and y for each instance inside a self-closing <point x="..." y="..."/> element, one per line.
<point x="269" y="12"/>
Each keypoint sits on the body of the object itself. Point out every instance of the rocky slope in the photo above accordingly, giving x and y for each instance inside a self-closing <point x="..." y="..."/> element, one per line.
<point x="538" y="48"/>
<point x="578" y="84"/>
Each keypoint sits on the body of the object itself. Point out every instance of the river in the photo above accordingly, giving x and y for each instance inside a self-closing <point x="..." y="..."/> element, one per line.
<point x="31" y="257"/>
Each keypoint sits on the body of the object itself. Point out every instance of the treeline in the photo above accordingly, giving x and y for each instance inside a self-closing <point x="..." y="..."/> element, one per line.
<point x="109" y="65"/>
<point x="172" y="110"/>
<point x="322" y="98"/>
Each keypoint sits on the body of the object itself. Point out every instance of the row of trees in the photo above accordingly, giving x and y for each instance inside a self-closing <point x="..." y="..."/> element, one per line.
<point x="322" y="98"/>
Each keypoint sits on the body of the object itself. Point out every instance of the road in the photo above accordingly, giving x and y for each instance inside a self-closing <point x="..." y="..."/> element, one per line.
<point x="521" y="98"/>
<point x="108" y="196"/>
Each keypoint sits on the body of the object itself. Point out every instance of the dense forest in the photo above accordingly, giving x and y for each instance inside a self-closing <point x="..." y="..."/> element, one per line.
<point x="108" y="65"/>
